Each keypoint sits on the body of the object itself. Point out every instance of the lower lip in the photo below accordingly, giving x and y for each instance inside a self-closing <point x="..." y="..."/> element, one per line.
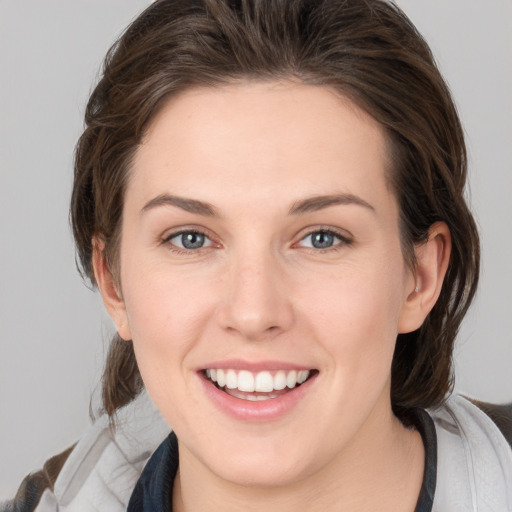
<point x="260" y="411"/>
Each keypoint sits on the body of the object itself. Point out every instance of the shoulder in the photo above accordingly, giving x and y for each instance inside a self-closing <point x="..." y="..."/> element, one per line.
<point x="474" y="470"/>
<point x="501" y="415"/>
<point x="101" y="470"/>
<point x="34" y="484"/>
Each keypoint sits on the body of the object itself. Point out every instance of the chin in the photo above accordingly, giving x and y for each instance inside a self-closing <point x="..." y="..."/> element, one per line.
<point x="272" y="474"/>
<point x="259" y="467"/>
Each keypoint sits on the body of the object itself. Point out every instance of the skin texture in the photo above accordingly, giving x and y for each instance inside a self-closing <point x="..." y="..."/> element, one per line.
<point x="259" y="291"/>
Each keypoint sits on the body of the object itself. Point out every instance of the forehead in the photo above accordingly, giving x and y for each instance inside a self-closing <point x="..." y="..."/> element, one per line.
<point x="253" y="139"/>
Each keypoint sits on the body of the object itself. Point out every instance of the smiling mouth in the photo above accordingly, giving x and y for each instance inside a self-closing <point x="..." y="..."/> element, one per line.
<point x="259" y="386"/>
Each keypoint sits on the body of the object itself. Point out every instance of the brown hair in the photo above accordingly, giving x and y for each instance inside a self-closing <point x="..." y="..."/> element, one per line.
<point x="369" y="51"/>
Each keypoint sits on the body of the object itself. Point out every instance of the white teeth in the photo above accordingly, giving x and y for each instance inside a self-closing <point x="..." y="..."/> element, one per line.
<point x="302" y="376"/>
<point x="221" y="378"/>
<point x="264" y="382"/>
<point x="291" y="379"/>
<point x="231" y="379"/>
<point x="256" y="398"/>
<point x="260" y="382"/>
<point x="245" y="381"/>
<point x="280" y="380"/>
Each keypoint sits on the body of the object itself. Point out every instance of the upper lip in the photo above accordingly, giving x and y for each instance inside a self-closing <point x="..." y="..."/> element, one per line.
<point x="254" y="366"/>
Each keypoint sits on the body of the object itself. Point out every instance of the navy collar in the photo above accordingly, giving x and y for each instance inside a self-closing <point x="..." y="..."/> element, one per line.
<point x="153" y="491"/>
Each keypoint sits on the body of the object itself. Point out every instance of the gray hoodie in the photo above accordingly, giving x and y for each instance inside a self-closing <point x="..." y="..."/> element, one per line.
<point x="474" y="461"/>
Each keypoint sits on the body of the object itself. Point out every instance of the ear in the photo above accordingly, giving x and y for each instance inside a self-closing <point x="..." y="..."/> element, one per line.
<point x="432" y="259"/>
<point x="109" y="289"/>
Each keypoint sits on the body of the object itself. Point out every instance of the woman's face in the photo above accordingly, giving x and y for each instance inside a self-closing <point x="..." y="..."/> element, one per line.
<point x="260" y="247"/>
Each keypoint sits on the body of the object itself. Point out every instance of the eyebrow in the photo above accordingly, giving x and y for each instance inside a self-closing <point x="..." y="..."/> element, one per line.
<point x="313" y="204"/>
<point x="189" y="205"/>
<point x="310" y="204"/>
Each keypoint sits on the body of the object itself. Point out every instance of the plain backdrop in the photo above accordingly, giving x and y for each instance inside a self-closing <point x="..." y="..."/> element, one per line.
<point x="53" y="331"/>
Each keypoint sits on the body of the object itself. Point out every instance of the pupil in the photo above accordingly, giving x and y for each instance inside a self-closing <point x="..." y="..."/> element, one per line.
<point x="322" y="240"/>
<point x="192" y="240"/>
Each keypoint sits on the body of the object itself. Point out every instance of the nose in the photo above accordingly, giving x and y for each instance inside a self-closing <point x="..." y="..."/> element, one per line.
<point x="258" y="303"/>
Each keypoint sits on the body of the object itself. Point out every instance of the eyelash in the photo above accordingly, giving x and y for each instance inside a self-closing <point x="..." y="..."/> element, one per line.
<point x="184" y="251"/>
<point x="343" y="241"/>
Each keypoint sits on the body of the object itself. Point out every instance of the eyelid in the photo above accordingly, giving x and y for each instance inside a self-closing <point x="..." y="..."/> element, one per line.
<point x="345" y="237"/>
<point x="169" y="235"/>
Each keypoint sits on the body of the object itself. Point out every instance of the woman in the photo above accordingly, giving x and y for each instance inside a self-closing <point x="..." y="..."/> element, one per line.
<point x="269" y="197"/>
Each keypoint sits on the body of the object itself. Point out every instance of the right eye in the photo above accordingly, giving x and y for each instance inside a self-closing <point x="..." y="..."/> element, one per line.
<point x="188" y="240"/>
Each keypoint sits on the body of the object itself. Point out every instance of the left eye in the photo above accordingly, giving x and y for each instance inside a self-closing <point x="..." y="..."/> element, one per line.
<point x="322" y="240"/>
<point x="190" y="240"/>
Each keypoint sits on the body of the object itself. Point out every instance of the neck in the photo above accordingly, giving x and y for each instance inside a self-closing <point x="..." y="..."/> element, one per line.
<point x="375" y="472"/>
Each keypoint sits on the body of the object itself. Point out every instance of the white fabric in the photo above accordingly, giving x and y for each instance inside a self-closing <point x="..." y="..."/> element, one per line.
<point x="474" y="467"/>
<point x="474" y="471"/>
<point x="104" y="466"/>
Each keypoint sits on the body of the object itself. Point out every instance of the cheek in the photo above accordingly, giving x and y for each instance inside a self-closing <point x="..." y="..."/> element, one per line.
<point x="167" y="316"/>
<point x="160" y="304"/>
<point x="167" y="312"/>
<point x="354" y="315"/>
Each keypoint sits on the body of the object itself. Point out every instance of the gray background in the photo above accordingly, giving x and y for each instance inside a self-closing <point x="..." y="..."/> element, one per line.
<point x="53" y="330"/>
